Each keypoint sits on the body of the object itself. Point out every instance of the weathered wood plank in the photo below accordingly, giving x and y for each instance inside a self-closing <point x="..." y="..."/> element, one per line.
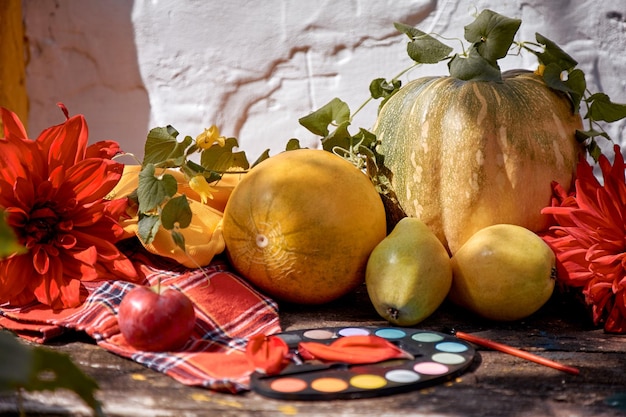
<point x="496" y="385"/>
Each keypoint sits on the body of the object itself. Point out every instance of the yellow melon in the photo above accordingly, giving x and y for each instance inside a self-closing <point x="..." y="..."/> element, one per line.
<point x="302" y="224"/>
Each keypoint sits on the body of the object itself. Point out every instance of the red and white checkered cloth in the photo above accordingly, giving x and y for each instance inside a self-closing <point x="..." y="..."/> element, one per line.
<point x="228" y="312"/>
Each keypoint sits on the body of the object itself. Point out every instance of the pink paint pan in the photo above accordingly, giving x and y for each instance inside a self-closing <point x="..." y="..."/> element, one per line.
<point x="437" y="358"/>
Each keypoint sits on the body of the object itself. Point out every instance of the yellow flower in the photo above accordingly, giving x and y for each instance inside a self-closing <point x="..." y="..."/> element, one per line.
<point x="209" y="137"/>
<point x="200" y="185"/>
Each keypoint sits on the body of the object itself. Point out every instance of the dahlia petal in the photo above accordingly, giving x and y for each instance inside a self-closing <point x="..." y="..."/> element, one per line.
<point x="105" y="149"/>
<point x="92" y="179"/>
<point x="65" y="144"/>
<point x="11" y="284"/>
<point x="617" y="170"/>
<point x="89" y="215"/>
<point x="78" y="270"/>
<point x="616" y="320"/>
<point x="66" y="241"/>
<point x="87" y="256"/>
<point x="12" y="124"/>
<point x="41" y="260"/>
<point x="23" y="193"/>
<point x="19" y="158"/>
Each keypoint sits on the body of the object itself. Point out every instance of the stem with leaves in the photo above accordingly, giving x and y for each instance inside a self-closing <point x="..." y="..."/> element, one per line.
<point x="491" y="37"/>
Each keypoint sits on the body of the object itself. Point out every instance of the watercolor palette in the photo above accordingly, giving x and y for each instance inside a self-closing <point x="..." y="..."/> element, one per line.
<point x="437" y="358"/>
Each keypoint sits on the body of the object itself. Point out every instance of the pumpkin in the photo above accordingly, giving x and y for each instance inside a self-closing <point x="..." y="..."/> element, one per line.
<point x="465" y="155"/>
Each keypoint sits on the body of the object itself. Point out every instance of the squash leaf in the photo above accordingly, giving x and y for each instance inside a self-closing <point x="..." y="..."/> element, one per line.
<point x="163" y="148"/>
<point x="553" y="54"/>
<point x="265" y="155"/>
<point x="148" y="226"/>
<point x="9" y="243"/>
<point x="340" y="137"/>
<point x="176" y="213"/>
<point x="603" y="109"/>
<point x="152" y="191"/>
<point x="492" y="34"/>
<point x="381" y="88"/>
<point x="191" y="169"/>
<point x="41" y="369"/>
<point x="423" y="48"/>
<point x="223" y="158"/>
<point x="575" y="84"/>
<point x="473" y="67"/>
<point x="293" y="144"/>
<point x="335" y="112"/>
<point x="179" y="239"/>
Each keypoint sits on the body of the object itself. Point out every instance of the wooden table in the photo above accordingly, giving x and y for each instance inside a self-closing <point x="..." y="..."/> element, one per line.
<point x="496" y="385"/>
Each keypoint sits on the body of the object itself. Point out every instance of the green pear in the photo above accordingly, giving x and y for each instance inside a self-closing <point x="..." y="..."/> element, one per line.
<point x="408" y="273"/>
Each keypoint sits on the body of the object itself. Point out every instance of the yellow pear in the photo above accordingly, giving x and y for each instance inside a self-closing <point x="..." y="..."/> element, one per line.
<point x="408" y="273"/>
<point x="503" y="272"/>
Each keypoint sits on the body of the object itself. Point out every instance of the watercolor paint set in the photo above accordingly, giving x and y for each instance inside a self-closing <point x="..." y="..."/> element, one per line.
<point x="434" y="358"/>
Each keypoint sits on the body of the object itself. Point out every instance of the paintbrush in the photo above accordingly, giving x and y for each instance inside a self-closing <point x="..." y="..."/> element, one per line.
<point x="490" y="344"/>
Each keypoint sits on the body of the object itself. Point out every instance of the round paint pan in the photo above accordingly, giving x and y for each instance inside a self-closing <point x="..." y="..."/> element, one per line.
<point x="437" y="358"/>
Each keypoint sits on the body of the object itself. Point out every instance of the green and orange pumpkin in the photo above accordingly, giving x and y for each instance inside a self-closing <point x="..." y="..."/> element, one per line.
<point x="467" y="154"/>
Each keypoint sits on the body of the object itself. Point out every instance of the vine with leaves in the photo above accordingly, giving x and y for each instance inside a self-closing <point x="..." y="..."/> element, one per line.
<point x="490" y="37"/>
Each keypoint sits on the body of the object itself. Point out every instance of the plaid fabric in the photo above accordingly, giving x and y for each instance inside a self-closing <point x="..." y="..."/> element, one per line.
<point x="228" y="312"/>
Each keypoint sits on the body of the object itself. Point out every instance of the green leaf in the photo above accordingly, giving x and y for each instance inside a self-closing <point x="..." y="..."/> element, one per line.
<point x="40" y="369"/>
<point x="152" y="191"/>
<point x="584" y="135"/>
<point x="577" y="85"/>
<point x="222" y="158"/>
<point x="179" y="239"/>
<point x="176" y="213"/>
<point x="553" y="54"/>
<point x="594" y="150"/>
<point x="587" y="138"/>
<point x="492" y="34"/>
<point x="603" y="109"/>
<point x="339" y="137"/>
<point x="335" y="112"/>
<point x="162" y="147"/>
<point x="381" y="88"/>
<point x="55" y="370"/>
<point x="473" y="68"/>
<point x="574" y="85"/>
<point x="265" y="155"/>
<point x="16" y="362"/>
<point x="9" y="243"/>
<point x="423" y="48"/>
<point x="293" y="144"/>
<point x="366" y="139"/>
<point x="147" y="227"/>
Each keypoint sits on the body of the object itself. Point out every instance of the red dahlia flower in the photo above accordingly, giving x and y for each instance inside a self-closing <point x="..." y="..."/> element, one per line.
<point x="590" y="239"/>
<point x="53" y="191"/>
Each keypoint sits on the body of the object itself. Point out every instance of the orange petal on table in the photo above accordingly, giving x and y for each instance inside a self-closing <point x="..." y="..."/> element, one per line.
<point x="353" y="349"/>
<point x="267" y="354"/>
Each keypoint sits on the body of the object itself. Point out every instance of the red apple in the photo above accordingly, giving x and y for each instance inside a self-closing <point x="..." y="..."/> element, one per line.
<point x="155" y="320"/>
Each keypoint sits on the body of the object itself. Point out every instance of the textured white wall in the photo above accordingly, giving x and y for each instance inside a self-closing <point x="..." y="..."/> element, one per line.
<point x="255" y="67"/>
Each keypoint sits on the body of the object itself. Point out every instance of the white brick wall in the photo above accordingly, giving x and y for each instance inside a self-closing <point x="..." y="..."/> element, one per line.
<point x="255" y="67"/>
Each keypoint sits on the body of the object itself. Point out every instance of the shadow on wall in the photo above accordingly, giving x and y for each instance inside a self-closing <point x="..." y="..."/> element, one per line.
<point x="83" y="54"/>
